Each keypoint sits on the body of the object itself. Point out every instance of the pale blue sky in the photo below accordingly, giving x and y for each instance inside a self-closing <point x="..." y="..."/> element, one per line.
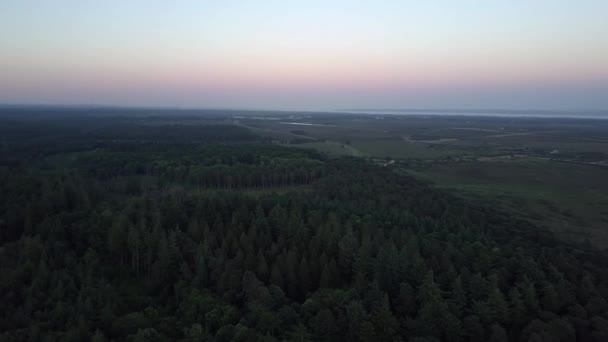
<point x="306" y="54"/>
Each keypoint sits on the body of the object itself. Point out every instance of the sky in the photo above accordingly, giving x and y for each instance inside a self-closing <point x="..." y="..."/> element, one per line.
<point x="307" y="55"/>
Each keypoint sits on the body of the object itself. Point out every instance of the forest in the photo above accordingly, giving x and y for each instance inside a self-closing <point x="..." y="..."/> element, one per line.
<point x="155" y="228"/>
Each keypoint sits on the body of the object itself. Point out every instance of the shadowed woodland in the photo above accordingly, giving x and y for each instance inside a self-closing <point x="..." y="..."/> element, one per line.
<point x="115" y="229"/>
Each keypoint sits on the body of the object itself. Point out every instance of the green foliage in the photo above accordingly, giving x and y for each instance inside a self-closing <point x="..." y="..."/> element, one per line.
<point x="138" y="243"/>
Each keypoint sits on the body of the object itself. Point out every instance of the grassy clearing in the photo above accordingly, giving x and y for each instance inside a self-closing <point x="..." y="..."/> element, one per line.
<point x="332" y="148"/>
<point x="570" y="199"/>
<point x="400" y="149"/>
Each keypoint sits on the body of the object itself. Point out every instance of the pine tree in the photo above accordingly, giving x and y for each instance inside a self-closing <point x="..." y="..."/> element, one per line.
<point x="291" y="271"/>
<point x="134" y="243"/>
<point x="304" y="277"/>
<point x="329" y="275"/>
<point x="202" y="276"/>
<point x="385" y="324"/>
<point x="276" y="277"/>
<point x="549" y="299"/>
<point x="117" y="238"/>
<point x="347" y="248"/>
<point x="517" y="308"/>
<point x="478" y="287"/>
<point x="407" y="299"/>
<point x="194" y="230"/>
<point x="326" y="278"/>
<point x="355" y="314"/>
<point x="499" y="307"/>
<point x="98" y="337"/>
<point x="530" y="297"/>
<point x="458" y="298"/>
<point x="433" y="310"/>
<point x="261" y="269"/>
<point x="429" y="291"/>
<point x="498" y="334"/>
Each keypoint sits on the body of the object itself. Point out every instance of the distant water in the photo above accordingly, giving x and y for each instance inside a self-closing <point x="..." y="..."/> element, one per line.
<point x="303" y="124"/>
<point x="485" y="112"/>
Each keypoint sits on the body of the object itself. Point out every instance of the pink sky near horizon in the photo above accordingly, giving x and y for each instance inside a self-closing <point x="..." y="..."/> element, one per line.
<point x="117" y="54"/>
<point x="306" y="76"/>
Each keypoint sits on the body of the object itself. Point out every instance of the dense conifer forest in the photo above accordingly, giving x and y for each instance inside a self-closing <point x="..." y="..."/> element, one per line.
<point x="116" y="229"/>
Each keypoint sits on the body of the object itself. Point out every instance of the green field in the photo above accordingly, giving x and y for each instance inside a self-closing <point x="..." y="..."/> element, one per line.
<point x="332" y="148"/>
<point x="569" y="199"/>
<point x="396" y="149"/>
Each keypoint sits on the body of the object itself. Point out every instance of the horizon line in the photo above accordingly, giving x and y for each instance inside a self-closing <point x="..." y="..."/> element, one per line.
<point x="489" y="110"/>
